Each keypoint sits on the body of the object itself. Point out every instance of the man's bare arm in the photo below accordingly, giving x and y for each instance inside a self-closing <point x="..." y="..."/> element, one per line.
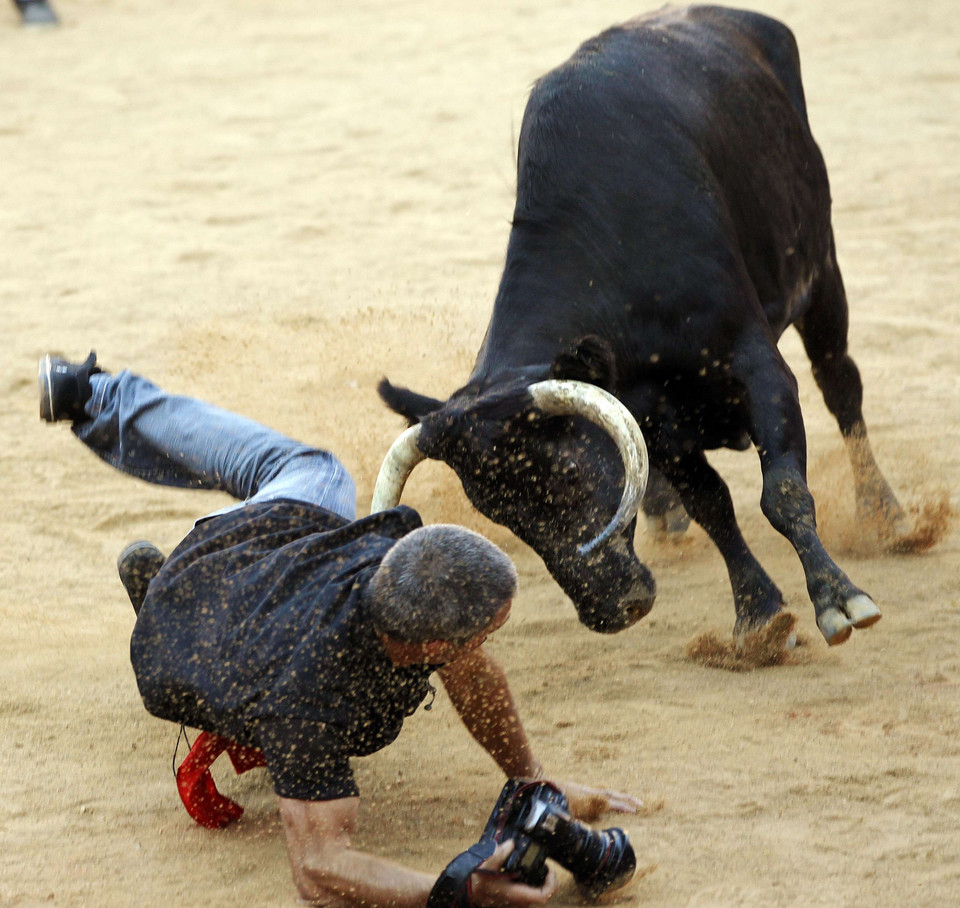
<point x="328" y="871"/>
<point x="478" y="689"/>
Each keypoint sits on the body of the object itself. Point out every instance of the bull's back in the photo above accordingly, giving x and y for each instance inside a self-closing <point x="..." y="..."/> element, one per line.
<point x="683" y="130"/>
<point x="692" y="79"/>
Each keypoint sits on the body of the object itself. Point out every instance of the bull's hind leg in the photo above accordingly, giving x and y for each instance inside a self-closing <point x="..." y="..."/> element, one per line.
<point x="778" y="433"/>
<point x="823" y="330"/>
<point x="662" y="508"/>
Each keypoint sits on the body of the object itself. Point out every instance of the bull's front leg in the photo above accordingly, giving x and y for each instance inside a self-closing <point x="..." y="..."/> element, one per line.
<point x="707" y="500"/>
<point x="787" y="503"/>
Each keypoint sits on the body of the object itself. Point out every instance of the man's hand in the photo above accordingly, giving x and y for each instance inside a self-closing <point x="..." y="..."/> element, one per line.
<point x="493" y="889"/>
<point x="588" y="804"/>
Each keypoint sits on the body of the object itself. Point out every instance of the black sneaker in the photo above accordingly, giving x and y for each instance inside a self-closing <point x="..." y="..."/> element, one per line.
<point x="65" y="387"/>
<point x="137" y="565"/>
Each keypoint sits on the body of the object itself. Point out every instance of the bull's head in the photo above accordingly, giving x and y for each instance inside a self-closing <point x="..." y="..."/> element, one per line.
<point x="560" y="463"/>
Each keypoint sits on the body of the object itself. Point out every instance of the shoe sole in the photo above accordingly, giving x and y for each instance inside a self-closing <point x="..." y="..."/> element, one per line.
<point x="137" y="565"/>
<point x="45" y="384"/>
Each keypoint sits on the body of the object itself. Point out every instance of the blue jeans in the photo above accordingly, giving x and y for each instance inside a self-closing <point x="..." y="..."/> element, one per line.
<point x="180" y="441"/>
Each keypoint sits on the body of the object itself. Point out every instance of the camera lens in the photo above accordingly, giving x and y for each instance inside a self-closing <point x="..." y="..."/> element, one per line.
<point x="536" y="816"/>
<point x="598" y="859"/>
<point x="611" y="869"/>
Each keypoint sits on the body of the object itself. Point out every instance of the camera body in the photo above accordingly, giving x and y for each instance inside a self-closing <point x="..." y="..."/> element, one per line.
<point x="537" y="817"/>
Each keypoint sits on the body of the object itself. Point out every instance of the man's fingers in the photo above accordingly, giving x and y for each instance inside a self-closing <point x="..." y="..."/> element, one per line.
<point x="621" y="802"/>
<point x="549" y="886"/>
<point x="493" y="863"/>
<point x="493" y="889"/>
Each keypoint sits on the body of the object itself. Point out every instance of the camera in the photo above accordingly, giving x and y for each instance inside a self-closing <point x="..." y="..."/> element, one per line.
<point x="537" y="817"/>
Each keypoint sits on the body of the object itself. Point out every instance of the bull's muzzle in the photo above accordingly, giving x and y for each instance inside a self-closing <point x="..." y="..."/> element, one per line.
<point x="614" y="613"/>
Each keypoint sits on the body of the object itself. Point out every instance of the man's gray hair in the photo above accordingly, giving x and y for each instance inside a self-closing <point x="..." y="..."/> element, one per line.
<point x="441" y="582"/>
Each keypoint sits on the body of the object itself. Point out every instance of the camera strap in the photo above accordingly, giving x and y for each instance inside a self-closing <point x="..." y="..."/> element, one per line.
<point x="452" y="888"/>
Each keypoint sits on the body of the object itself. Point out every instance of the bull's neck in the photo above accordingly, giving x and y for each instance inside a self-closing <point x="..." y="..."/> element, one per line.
<point x="513" y="350"/>
<point x="550" y="295"/>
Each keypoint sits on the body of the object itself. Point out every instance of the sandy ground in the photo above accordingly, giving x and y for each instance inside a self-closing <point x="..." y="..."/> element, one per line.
<point x="271" y="205"/>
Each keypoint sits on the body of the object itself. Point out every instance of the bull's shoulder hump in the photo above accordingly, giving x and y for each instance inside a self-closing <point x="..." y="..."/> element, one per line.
<point x="693" y="35"/>
<point x="707" y="19"/>
<point x="755" y="33"/>
<point x="689" y="34"/>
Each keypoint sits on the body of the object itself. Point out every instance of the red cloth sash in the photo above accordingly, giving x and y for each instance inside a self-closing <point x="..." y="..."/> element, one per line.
<point x="197" y="790"/>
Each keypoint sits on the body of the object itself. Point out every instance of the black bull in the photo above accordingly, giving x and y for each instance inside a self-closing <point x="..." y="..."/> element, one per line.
<point x="672" y="220"/>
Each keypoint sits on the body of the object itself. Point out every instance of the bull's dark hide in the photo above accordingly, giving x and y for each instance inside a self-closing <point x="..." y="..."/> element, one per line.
<point x="672" y="221"/>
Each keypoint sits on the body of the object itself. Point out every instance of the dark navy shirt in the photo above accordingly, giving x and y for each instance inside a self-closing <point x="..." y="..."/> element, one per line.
<point x="255" y="628"/>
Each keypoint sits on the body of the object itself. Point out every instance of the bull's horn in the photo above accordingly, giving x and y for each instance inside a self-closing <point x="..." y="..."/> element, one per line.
<point x="575" y="398"/>
<point x="402" y="457"/>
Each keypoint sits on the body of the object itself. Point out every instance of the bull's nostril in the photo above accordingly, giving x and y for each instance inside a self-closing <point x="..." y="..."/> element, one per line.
<point x="638" y="609"/>
<point x="618" y="615"/>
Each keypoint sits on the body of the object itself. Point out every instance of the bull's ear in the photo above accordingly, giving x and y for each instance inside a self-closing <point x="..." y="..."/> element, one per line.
<point x="410" y="405"/>
<point x="588" y="359"/>
<point x="468" y="426"/>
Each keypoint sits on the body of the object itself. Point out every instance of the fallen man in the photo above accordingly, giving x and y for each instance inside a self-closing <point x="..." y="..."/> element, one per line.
<point x="294" y="635"/>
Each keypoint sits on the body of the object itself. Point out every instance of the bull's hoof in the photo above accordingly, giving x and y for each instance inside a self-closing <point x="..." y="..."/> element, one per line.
<point x="669" y="526"/>
<point x="835" y="626"/>
<point x="862" y="611"/>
